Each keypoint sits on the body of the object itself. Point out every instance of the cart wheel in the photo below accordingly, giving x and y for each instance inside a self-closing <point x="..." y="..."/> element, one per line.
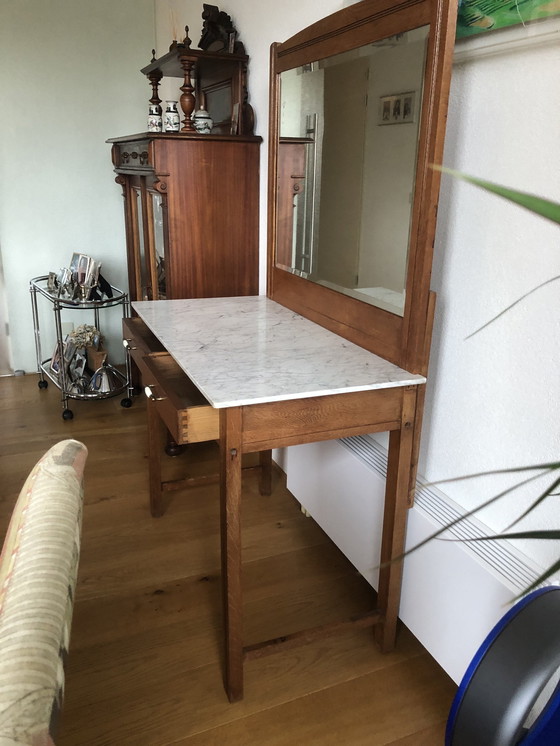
<point x="67" y="414"/>
<point x="126" y="403"/>
<point x="43" y="384"/>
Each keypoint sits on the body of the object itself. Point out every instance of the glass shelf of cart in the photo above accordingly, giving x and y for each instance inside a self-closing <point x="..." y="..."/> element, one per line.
<point x="39" y="284"/>
<point x="123" y="385"/>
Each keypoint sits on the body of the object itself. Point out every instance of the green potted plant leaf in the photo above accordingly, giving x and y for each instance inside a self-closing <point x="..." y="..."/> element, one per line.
<point x="550" y="210"/>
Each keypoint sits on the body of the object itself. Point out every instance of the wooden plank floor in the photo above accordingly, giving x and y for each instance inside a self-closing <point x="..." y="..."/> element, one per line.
<point x="146" y="649"/>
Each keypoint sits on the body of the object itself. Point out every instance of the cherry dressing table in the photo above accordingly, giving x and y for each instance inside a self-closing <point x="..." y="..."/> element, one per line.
<point x="323" y="355"/>
<point x="278" y="379"/>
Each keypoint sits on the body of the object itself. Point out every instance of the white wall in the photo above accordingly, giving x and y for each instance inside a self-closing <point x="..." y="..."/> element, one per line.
<point x="493" y="400"/>
<point x="6" y="367"/>
<point x="70" y="79"/>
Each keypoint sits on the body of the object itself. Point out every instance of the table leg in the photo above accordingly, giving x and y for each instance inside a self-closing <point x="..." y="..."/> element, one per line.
<point x="155" y="448"/>
<point x="230" y="506"/>
<point x="265" y="478"/>
<point x="394" y="522"/>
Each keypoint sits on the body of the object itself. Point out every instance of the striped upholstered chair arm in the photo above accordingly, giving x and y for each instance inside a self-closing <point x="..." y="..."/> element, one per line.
<point x="38" y="570"/>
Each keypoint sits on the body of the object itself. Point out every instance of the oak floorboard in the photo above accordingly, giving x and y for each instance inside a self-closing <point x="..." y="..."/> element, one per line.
<point x="180" y="544"/>
<point x="430" y="736"/>
<point x="145" y="663"/>
<point x="375" y="709"/>
<point x="295" y="583"/>
<point x="196" y="702"/>
<point x="195" y="638"/>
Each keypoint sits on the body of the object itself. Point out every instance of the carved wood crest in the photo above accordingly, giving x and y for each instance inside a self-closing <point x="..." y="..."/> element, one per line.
<point x="218" y="32"/>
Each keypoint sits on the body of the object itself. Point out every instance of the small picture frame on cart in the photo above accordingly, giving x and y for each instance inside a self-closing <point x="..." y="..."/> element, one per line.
<point x="77" y="365"/>
<point x="75" y="261"/>
<point x="69" y="349"/>
<point x="52" y="282"/>
<point x="55" y="360"/>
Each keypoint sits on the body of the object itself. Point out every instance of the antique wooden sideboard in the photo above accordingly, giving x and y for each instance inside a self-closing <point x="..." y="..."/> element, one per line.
<point x="191" y="199"/>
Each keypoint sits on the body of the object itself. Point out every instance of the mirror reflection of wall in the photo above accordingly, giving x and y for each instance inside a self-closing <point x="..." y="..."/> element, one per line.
<point x="347" y="158"/>
<point x="345" y="112"/>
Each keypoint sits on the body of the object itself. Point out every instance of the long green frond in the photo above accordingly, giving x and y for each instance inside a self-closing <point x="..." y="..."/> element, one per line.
<point x="463" y="517"/>
<point x="515" y="302"/>
<point x="546" y="493"/>
<point x="548" y="573"/>
<point x="538" y="205"/>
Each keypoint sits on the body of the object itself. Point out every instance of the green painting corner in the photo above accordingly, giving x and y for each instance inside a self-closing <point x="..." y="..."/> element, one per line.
<point x="482" y="16"/>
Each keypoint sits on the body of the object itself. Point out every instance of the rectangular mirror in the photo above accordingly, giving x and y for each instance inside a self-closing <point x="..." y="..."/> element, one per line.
<point x="347" y="152"/>
<point x="358" y="111"/>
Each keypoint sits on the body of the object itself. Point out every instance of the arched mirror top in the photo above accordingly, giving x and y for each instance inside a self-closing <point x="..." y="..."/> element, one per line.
<point x="358" y="105"/>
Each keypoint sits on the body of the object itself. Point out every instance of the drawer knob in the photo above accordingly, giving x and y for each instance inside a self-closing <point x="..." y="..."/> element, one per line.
<point x="126" y="344"/>
<point x="150" y="394"/>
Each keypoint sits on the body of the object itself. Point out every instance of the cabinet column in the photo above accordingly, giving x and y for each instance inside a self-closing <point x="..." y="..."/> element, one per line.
<point x="187" y="99"/>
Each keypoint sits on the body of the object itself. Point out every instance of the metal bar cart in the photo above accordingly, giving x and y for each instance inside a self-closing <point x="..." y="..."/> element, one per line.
<point x="58" y="374"/>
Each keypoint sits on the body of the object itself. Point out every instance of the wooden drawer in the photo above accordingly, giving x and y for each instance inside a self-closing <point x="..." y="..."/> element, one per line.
<point x="132" y="156"/>
<point x="139" y="341"/>
<point x="188" y="415"/>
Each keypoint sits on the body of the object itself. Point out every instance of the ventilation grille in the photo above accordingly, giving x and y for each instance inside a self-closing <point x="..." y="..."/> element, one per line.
<point x="500" y="555"/>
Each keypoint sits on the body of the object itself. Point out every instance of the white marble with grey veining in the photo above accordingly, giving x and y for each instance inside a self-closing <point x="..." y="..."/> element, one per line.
<point x="249" y="350"/>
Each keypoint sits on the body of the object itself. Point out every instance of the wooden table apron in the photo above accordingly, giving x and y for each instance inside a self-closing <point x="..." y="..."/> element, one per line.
<point x="259" y="427"/>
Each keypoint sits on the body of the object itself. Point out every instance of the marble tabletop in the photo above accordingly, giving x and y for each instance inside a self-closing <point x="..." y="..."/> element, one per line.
<point x="250" y="350"/>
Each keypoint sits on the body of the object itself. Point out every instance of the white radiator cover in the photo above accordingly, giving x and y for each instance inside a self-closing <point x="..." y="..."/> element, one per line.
<point x="453" y="592"/>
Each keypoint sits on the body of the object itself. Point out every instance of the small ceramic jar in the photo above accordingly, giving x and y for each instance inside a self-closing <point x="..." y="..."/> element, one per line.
<point x="203" y="121"/>
<point x="155" y="123"/>
<point x="171" y="117"/>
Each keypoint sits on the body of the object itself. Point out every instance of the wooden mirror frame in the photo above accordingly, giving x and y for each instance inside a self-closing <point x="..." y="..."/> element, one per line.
<point x="402" y="340"/>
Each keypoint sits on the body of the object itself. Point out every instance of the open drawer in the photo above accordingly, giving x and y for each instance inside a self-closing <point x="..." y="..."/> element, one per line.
<point x="139" y="341"/>
<point x="185" y="411"/>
